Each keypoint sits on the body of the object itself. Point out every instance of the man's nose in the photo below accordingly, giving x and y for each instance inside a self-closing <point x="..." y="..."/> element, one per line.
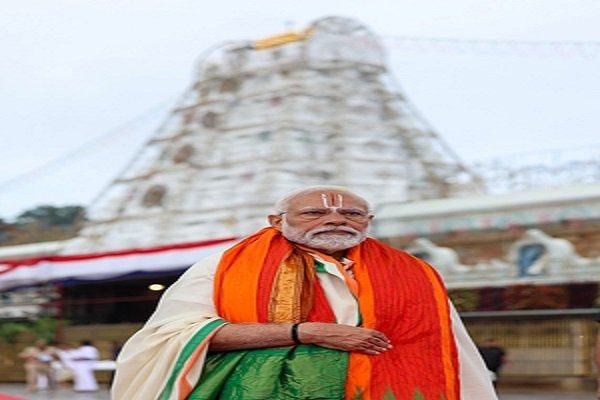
<point x="335" y="218"/>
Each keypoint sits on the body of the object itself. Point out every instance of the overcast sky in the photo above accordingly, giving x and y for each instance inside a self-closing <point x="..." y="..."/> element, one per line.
<point x="105" y="73"/>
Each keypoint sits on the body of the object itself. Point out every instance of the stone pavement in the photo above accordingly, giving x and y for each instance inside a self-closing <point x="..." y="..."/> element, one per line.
<point x="18" y="390"/>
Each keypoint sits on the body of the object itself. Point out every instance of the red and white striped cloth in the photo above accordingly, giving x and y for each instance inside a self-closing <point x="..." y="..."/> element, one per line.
<point x="105" y="265"/>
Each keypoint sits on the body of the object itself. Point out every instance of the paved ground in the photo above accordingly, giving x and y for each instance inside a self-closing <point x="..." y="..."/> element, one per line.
<point x="59" y="394"/>
<point x="67" y="394"/>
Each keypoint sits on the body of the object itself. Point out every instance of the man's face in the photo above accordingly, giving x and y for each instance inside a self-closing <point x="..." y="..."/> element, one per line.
<point x="327" y="221"/>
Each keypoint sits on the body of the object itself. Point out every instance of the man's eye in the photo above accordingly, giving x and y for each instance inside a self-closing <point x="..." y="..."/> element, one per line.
<point x="353" y="214"/>
<point x="313" y="213"/>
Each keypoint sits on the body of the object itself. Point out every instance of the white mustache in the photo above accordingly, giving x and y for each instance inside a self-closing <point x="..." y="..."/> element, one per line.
<point x="334" y="228"/>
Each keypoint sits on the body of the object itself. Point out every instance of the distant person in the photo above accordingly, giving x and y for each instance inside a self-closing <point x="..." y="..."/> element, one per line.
<point x="30" y="363"/>
<point x="37" y="361"/>
<point x="494" y="357"/>
<point x="83" y="361"/>
<point x="115" y="349"/>
<point x="46" y="354"/>
<point x="61" y="366"/>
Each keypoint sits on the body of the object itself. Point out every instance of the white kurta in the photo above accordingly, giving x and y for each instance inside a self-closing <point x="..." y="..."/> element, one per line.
<point x="147" y="358"/>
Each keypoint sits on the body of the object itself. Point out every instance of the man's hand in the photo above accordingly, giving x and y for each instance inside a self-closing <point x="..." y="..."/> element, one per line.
<point x="344" y="337"/>
<point x="333" y="336"/>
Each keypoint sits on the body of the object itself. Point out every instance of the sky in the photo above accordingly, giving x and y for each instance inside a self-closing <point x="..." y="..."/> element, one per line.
<point x="85" y="83"/>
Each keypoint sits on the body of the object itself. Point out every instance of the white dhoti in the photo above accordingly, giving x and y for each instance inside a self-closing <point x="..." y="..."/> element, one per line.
<point x="82" y="364"/>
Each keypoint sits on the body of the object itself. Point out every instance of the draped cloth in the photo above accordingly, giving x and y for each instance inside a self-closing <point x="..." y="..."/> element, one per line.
<point x="398" y="295"/>
<point x="265" y="278"/>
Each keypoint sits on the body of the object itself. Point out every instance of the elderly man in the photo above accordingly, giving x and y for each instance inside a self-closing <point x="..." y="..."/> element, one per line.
<point x="309" y="308"/>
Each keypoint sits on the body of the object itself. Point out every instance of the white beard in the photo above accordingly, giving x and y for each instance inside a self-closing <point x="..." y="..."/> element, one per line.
<point x="319" y="239"/>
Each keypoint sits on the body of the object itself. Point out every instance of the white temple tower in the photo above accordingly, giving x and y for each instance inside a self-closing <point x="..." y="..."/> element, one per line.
<point x="264" y="118"/>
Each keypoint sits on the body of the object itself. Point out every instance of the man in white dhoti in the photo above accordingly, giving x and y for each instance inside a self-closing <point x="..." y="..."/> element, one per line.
<point x="82" y="363"/>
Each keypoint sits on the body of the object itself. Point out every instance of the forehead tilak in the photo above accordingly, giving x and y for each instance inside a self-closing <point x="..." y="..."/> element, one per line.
<point x="333" y="201"/>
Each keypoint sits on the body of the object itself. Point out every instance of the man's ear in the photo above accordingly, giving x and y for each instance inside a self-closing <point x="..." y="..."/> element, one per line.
<point x="275" y="221"/>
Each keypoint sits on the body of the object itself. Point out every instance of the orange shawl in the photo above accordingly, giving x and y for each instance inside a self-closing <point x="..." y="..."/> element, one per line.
<point x="265" y="278"/>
